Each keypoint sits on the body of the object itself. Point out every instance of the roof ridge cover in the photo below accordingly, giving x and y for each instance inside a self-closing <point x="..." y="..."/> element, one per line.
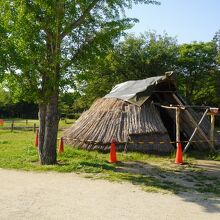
<point x="135" y="91"/>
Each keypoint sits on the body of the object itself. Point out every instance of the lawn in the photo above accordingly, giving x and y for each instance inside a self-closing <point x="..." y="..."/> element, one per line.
<point x="152" y="173"/>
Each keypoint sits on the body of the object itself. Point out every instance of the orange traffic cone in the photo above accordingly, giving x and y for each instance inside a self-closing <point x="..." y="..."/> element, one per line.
<point x="36" y="139"/>
<point x="113" y="157"/>
<point x="1" y="122"/>
<point x="179" y="154"/>
<point x="61" y="147"/>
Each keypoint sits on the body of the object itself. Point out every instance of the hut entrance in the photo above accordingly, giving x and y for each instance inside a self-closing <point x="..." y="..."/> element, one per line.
<point x="168" y="116"/>
<point x="168" y="119"/>
<point x="168" y="123"/>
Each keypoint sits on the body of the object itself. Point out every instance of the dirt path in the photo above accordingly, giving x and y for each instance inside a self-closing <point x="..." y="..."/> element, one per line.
<point x="27" y="195"/>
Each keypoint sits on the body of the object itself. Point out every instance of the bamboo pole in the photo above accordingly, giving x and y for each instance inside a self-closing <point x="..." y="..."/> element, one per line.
<point x="212" y="129"/>
<point x="170" y="106"/>
<point x="177" y="126"/>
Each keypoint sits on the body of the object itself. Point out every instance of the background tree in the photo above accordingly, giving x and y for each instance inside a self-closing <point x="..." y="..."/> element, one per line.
<point x="67" y="105"/>
<point x="132" y="59"/>
<point x="45" y="41"/>
<point x="216" y="40"/>
<point x="5" y="97"/>
<point x="197" y="70"/>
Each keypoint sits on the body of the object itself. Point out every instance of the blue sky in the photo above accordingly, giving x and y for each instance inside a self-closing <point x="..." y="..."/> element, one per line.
<point x="188" y="20"/>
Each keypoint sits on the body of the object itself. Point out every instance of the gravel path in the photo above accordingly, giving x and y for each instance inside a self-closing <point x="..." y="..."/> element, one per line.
<point x="27" y="195"/>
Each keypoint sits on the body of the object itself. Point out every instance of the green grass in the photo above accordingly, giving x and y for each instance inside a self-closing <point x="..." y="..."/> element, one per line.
<point x="17" y="151"/>
<point x="152" y="173"/>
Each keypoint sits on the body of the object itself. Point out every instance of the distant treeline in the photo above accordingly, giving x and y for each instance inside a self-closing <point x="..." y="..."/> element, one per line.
<point x="19" y="110"/>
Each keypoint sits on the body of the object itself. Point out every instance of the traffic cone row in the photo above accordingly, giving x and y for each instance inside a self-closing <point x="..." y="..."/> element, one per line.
<point x="61" y="146"/>
<point x="179" y="154"/>
<point x="113" y="156"/>
<point x="1" y="122"/>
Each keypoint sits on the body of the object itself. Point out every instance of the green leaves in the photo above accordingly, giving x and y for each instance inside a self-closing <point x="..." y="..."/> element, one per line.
<point x="197" y="69"/>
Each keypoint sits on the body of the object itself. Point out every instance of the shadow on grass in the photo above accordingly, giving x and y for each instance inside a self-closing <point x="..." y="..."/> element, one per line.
<point x="103" y="166"/>
<point x="149" y="183"/>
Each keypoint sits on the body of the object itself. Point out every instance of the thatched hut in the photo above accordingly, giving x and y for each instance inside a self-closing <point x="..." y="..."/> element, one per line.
<point x="131" y="115"/>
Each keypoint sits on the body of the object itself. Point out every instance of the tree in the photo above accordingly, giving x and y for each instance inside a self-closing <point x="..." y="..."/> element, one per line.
<point x="5" y="98"/>
<point x="133" y="58"/>
<point x="67" y="101"/>
<point x="197" y="70"/>
<point x="216" y="41"/>
<point x="45" y="40"/>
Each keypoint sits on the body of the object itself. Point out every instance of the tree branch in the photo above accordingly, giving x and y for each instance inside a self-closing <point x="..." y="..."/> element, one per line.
<point x="80" y="20"/>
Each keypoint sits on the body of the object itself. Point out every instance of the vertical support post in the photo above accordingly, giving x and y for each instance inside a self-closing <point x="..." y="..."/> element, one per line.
<point x="212" y="131"/>
<point x="177" y="126"/>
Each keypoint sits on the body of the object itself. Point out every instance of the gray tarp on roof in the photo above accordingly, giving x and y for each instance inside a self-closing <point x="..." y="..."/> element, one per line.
<point x="137" y="91"/>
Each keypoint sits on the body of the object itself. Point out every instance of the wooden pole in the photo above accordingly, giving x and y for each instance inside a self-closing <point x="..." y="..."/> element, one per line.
<point x="177" y="126"/>
<point x="194" y="132"/>
<point x="212" y="131"/>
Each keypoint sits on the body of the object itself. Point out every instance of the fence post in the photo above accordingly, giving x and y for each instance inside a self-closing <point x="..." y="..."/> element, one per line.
<point x="34" y="127"/>
<point x="26" y="121"/>
<point x="12" y="126"/>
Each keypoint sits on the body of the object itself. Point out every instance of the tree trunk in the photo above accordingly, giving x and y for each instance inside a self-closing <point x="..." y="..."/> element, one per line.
<point x="42" y="118"/>
<point x="48" y="115"/>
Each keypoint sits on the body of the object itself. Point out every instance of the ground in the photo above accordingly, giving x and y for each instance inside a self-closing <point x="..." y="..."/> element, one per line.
<point x="139" y="186"/>
<point x="51" y="195"/>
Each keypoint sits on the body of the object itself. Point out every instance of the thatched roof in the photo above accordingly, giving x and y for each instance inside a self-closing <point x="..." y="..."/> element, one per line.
<point x="110" y="118"/>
